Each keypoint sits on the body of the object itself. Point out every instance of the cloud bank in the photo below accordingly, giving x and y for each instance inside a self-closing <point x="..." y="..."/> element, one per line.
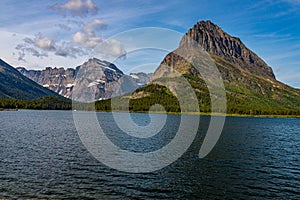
<point x="81" y="42"/>
<point x="40" y="46"/>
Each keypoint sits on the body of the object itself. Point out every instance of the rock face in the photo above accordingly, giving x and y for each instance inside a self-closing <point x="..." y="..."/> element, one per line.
<point x="14" y="85"/>
<point x="105" y="77"/>
<point x="217" y="42"/>
<point x="58" y="80"/>
<point x="141" y="78"/>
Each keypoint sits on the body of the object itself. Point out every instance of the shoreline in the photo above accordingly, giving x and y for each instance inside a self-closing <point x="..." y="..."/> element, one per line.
<point x="205" y="114"/>
<point x="173" y="113"/>
<point x="221" y="114"/>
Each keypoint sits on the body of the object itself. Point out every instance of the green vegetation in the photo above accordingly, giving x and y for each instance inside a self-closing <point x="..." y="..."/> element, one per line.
<point x="44" y="103"/>
<point x="247" y="94"/>
<point x="153" y="94"/>
<point x="156" y="94"/>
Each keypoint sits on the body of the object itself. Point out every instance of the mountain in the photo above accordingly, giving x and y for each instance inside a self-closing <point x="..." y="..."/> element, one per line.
<point x="108" y="78"/>
<point x="58" y="80"/>
<point x="231" y="49"/>
<point x="251" y="86"/>
<point x="14" y="85"/>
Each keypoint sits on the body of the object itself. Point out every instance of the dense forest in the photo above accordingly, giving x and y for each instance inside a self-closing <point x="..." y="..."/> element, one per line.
<point x="44" y="103"/>
<point x="156" y="94"/>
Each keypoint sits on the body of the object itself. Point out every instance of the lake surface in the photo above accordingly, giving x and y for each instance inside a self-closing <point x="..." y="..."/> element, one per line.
<point x="42" y="157"/>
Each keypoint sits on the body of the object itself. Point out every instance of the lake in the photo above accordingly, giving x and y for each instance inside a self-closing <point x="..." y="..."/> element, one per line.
<point x="42" y="157"/>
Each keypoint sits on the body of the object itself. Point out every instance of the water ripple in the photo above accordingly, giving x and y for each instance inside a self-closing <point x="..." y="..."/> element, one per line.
<point x="42" y="157"/>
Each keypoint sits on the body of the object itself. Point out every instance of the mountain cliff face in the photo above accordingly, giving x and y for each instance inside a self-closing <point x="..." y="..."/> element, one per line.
<point x="58" y="80"/>
<point x="107" y="79"/>
<point x="217" y="42"/>
<point x="14" y="85"/>
<point x="250" y="84"/>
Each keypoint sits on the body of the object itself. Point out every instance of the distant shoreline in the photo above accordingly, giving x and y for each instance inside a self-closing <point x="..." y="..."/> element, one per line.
<point x="223" y="115"/>
<point x="174" y="113"/>
<point x="209" y="114"/>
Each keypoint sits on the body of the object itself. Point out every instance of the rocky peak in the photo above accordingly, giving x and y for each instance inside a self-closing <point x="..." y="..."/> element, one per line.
<point x="95" y="62"/>
<point x="104" y="76"/>
<point x="219" y="43"/>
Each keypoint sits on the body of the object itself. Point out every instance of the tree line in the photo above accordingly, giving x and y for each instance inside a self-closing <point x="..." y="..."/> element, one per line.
<point x="151" y="95"/>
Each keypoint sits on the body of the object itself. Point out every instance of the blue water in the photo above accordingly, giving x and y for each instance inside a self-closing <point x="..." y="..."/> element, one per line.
<point x="42" y="157"/>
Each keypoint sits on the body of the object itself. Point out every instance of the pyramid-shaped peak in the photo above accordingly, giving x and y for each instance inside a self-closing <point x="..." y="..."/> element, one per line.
<point x="217" y="42"/>
<point x="206" y="23"/>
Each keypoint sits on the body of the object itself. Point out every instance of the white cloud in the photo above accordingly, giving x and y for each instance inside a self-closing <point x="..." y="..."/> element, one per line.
<point x="86" y="40"/>
<point x="108" y="49"/>
<point x="79" y="8"/>
<point x="80" y="43"/>
<point x="9" y="40"/>
<point x="45" y="43"/>
<point x="37" y="47"/>
<point x="87" y="37"/>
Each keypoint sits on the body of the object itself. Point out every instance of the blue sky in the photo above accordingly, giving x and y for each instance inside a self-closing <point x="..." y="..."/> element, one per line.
<point x="40" y="33"/>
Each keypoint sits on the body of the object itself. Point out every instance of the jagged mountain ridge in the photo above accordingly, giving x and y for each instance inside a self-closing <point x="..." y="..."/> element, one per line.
<point x="58" y="80"/>
<point x="14" y="85"/>
<point x="219" y="43"/>
<point x="107" y="80"/>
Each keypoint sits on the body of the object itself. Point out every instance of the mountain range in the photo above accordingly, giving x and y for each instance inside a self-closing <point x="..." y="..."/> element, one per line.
<point x="251" y="86"/>
<point x="107" y="79"/>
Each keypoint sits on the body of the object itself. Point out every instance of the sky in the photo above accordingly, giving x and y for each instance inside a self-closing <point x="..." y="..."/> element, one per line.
<point x="64" y="33"/>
